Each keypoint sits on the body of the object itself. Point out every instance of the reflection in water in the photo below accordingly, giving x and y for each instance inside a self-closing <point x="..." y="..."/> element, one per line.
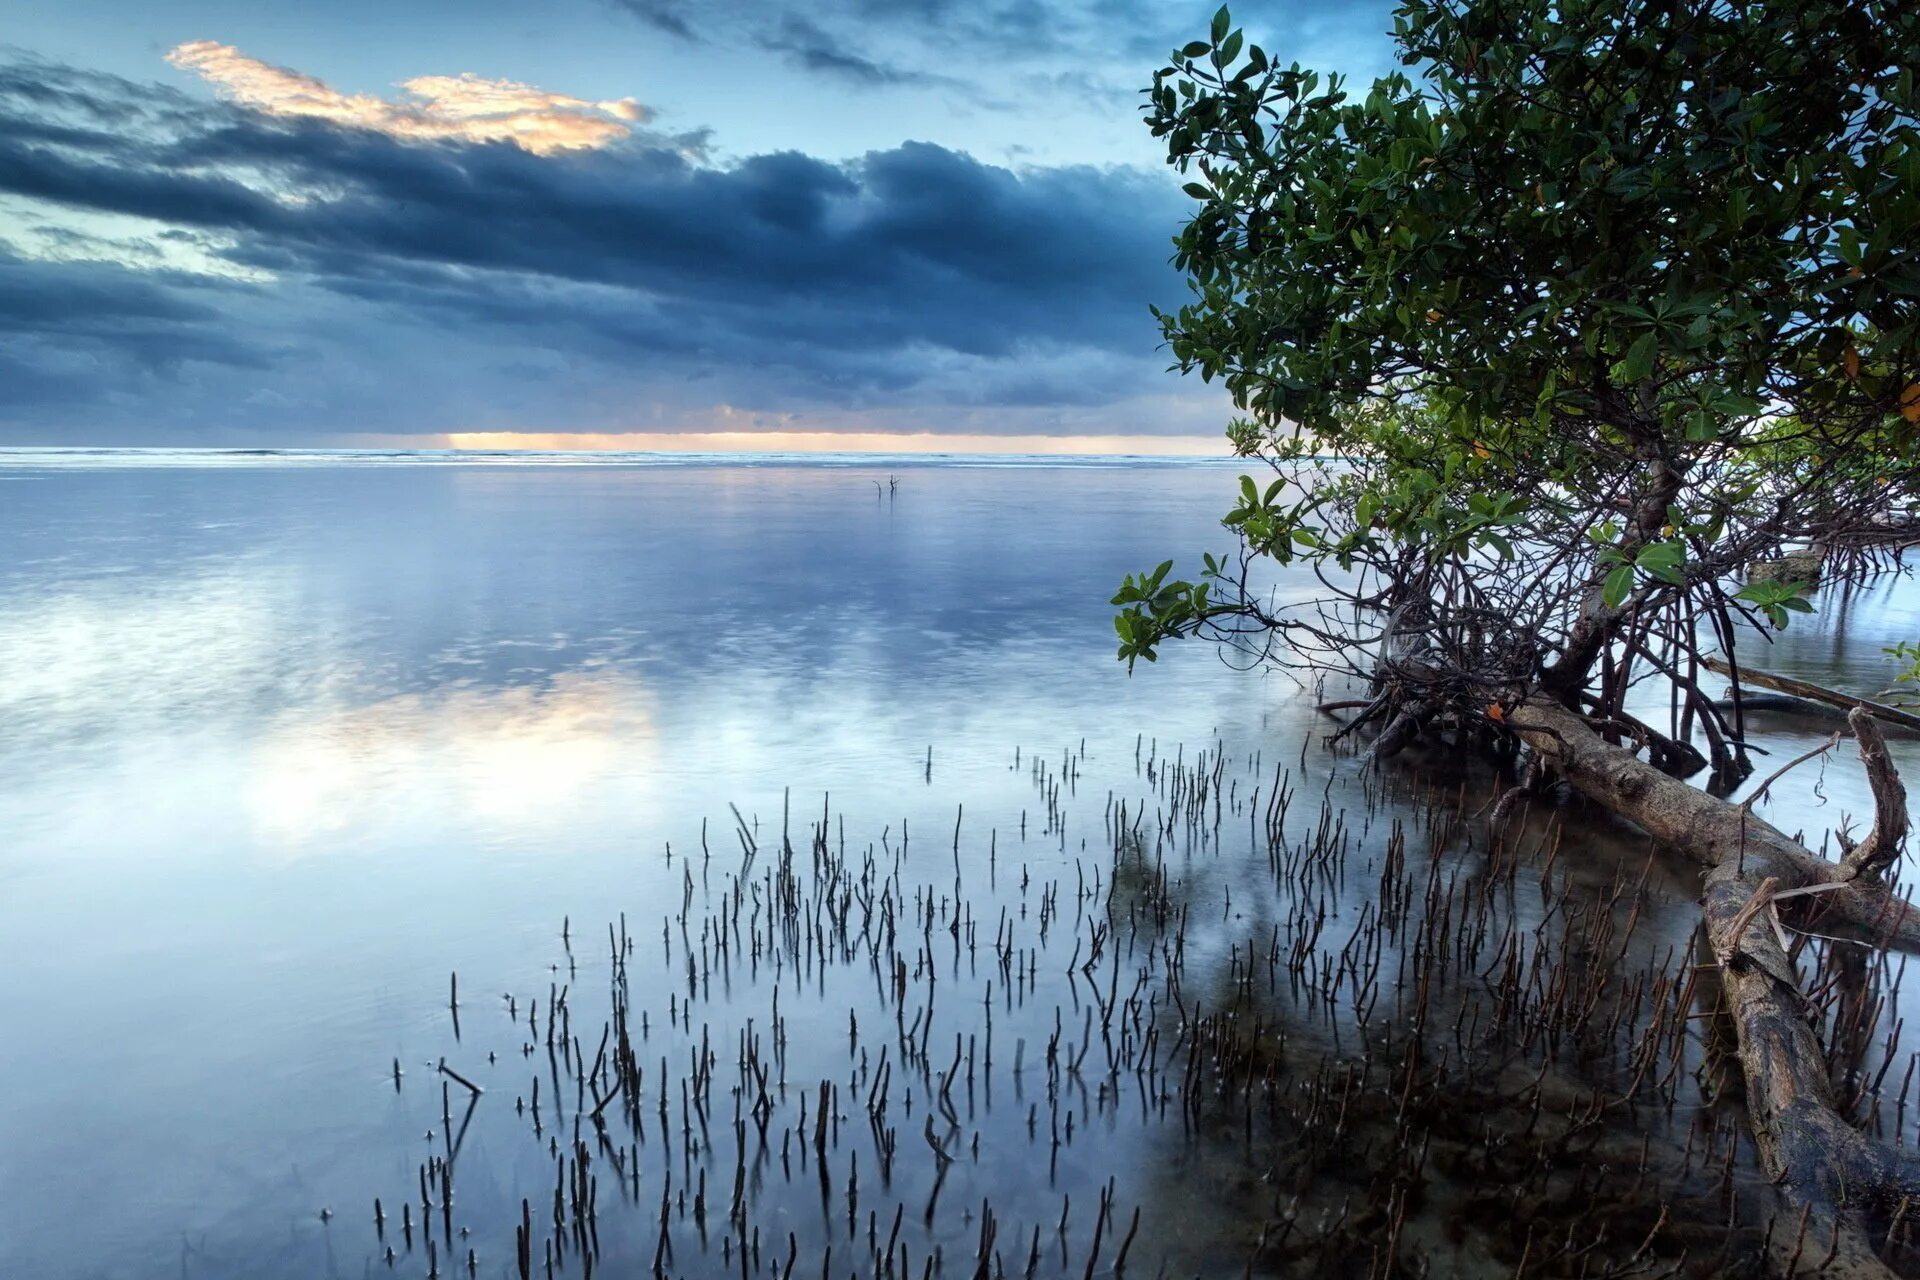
<point x="281" y="745"/>
<point x="502" y="755"/>
<point x="92" y="655"/>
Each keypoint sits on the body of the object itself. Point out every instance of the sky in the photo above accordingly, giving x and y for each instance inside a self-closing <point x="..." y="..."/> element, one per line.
<point x="602" y="223"/>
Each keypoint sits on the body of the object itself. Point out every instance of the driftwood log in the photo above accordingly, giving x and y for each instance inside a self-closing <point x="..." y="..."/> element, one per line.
<point x="1756" y="875"/>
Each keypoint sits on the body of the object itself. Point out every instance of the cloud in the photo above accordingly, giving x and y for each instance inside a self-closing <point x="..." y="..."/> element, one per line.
<point x="809" y="47"/>
<point x="661" y="15"/>
<point x="372" y="283"/>
<point x="805" y="42"/>
<point x="462" y="108"/>
<point x="161" y="318"/>
<point x="99" y="339"/>
<point x="1018" y="43"/>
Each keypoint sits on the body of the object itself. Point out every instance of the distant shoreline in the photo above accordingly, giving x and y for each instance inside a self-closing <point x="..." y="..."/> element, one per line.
<point x="57" y="457"/>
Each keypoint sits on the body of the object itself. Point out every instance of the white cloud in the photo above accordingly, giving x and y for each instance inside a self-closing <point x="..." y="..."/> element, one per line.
<point x="466" y="108"/>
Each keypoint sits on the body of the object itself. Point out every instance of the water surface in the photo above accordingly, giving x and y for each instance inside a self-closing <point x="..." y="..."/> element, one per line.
<point x="285" y="739"/>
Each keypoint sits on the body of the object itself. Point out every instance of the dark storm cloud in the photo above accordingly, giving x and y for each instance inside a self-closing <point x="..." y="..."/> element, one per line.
<point x="161" y="318"/>
<point x="914" y="243"/>
<point x="902" y="278"/>
<point x="95" y="336"/>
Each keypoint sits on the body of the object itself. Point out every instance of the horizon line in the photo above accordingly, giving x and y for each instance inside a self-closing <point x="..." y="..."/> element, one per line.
<point x="844" y="442"/>
<point x="877" y="443"/>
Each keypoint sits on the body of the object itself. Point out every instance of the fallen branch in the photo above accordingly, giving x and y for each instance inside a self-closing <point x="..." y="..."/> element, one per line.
<point x="1727" y="944"/>
<point x="1401" y="731"/>
<point x="1346" y="704"/>
<point x="1806" y="1145"/>
<point x="1816" y="693"/>
<point x="1773" y="702"/>
<point x="1369" y="709"/>
<point x="1882" y="844"/>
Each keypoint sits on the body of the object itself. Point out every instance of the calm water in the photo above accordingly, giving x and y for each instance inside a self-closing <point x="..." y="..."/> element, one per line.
<point x="283" y="741"/>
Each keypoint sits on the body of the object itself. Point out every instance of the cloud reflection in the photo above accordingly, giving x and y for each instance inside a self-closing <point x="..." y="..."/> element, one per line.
<point x="498" y="753"/>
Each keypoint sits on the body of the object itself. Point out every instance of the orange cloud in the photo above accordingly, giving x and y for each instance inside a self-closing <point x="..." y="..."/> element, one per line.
<point x="465" y="108"/>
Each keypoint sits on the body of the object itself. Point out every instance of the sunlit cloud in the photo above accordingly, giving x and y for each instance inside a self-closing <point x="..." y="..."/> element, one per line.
<point x="463" y="108"/>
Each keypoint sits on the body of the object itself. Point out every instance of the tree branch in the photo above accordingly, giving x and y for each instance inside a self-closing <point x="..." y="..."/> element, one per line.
<point x="1889" y="833"/>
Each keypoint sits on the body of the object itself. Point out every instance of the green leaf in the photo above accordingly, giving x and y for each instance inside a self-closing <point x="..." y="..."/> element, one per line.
<point x="1665" y="561"/>
<point x="1222" y="22"/>
<point x="1638" y="362"/>
<point x="1618" y="586"/>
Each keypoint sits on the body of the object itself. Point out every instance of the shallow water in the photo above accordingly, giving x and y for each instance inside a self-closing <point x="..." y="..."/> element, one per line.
<point x="284" y="742"/>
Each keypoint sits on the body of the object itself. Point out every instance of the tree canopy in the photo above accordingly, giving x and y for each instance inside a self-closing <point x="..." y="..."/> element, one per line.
<point x="1583" y="350"/>
<point x="1546" y="339"/>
